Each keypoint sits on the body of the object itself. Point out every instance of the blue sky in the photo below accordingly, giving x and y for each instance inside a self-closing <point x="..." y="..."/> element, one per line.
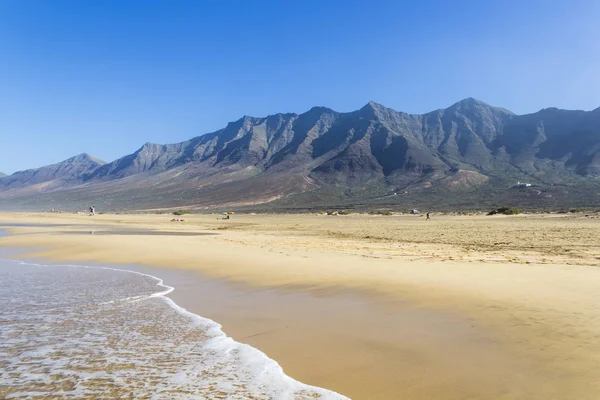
<point x="104" y="77"/>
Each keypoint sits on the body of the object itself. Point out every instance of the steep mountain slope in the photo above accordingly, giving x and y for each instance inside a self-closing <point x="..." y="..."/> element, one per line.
<point x="247" y="142"/>
<point x="64" y="172"/>
<point x="553" y="141"/>
<point x="376" y="142"/>
<point x="470" y="149"/>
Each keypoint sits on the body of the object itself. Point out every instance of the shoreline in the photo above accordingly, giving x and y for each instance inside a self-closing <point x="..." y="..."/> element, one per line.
<point x="216" y="332"/>
<point x="428" y="332"/>
<point x="190" y="292"/>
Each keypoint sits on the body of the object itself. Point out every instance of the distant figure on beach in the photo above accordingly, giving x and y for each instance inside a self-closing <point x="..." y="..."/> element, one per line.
<point x="92" y="210"/>
<point x="427" y="219"/>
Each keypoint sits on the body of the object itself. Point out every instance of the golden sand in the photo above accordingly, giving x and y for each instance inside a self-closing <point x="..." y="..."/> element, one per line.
<point x="375" y="306"/>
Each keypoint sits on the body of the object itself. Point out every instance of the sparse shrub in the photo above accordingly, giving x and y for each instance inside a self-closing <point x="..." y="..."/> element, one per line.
<point x="506" y="211"/>
<point x="380" y="212"/>
<point x="181" y="212"/>
<point x="344" y="212"/>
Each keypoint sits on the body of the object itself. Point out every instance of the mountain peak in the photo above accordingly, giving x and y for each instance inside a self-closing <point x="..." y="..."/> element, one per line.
<point x="371" y="105"/>
<point x="471" y="103"/>
<point x="84" y="157"/>
<point x="70" y="170"/>
<point x="318" y="112"/>
<point x="320" y="109"/>
<point x="372" y="109"/>
<point x="148" y="146"/>
<point x="248" y="118"/>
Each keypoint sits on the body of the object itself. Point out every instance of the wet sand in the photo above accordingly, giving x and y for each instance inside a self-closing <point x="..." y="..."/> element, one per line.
<point x="379" y="307"/>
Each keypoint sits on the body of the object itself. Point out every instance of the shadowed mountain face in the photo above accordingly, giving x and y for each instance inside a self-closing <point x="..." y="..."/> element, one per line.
<point x="365" y="153"/>
<point x="2" y="174"/>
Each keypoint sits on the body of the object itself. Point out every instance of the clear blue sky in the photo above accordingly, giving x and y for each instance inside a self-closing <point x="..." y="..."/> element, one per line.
<point x="103" y="77"/>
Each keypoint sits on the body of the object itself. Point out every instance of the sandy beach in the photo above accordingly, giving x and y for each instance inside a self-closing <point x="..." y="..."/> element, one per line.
<point x="373" y="307"/>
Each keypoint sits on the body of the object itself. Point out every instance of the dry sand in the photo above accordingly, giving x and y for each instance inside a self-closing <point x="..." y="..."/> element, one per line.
<point x="376" y="307"/>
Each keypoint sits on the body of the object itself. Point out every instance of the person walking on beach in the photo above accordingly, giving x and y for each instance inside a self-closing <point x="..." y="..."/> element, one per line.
<point x="92" y="210"/>
<point x="427" y="219"/>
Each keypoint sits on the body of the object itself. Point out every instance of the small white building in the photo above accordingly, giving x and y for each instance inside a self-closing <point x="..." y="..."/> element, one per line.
<point x="523" y="185"/>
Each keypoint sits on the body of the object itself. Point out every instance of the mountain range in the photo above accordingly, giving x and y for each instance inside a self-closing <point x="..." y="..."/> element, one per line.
<point x="469" y="155"/>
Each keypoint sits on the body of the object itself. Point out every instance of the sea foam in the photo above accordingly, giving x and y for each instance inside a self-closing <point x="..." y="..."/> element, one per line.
<point x="76" y="331"/>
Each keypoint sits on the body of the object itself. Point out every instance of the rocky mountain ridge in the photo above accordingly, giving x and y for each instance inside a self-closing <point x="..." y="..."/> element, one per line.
<point x="59" y="174"/>
<point x="355" y="156"/>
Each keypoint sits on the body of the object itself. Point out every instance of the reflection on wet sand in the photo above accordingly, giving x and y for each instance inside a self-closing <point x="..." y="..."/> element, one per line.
<point x="136" y="232"/>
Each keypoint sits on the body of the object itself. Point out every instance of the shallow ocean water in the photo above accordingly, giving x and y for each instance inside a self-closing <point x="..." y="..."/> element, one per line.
<point x="71" y="331"/>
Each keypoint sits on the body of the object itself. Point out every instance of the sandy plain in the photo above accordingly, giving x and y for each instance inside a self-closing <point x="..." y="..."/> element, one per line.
<point x="373" y="307"/>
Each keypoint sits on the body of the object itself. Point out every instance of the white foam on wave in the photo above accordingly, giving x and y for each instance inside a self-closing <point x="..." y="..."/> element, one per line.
<point x="262" y="373"/>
